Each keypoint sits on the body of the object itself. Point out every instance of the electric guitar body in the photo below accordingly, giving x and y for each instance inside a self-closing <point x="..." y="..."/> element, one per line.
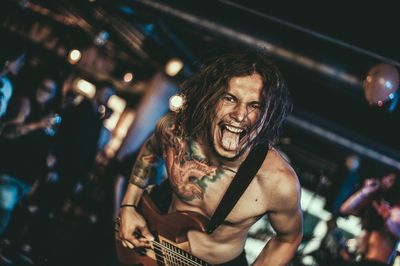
<point x="170" y="246"/>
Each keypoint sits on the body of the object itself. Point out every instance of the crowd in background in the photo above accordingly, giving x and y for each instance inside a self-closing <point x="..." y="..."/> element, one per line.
<point x="50" y="136"/>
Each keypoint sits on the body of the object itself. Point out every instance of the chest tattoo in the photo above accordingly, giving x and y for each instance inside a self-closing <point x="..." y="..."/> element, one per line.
<point x="188" y="170"/>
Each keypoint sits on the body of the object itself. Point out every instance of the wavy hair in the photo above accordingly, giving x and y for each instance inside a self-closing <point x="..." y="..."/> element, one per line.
<point x="204" y="89"/>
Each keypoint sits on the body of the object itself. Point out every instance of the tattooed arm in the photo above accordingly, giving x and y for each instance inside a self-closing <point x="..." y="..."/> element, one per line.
<point x="148" y="160"/>
<point x="16" y="130"/>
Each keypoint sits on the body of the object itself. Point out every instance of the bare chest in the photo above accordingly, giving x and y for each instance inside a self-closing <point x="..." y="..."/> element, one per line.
<point x="199" y="186"/>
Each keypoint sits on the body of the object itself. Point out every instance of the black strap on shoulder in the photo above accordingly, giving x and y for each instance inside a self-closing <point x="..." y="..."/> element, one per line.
<point x="247" y="170"/>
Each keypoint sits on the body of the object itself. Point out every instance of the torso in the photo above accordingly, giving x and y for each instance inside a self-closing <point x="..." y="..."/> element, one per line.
<point x="199" y="185"/>
<point x="380" y="246"/>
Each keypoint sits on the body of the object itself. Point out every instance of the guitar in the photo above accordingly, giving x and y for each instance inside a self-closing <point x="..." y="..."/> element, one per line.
<point x="170" y="246"/>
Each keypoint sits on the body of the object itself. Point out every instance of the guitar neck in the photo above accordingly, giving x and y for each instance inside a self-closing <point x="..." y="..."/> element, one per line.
<point x="171" y="255"/>
<point x="171" y="246"/>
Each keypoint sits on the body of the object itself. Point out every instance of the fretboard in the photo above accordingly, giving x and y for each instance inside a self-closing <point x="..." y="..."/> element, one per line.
<point x="170" y="255"/>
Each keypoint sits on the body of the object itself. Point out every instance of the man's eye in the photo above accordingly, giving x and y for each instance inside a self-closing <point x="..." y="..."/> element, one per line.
<point x="256" y="106"/>
<point x="229" y="99"/>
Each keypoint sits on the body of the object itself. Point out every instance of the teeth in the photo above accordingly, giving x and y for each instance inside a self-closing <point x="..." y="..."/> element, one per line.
<point x="234" y="129"/>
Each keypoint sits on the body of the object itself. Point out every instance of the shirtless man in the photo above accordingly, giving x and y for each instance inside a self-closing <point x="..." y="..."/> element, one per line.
<point x="232" y="103"/>
<point x="378" y="205"/>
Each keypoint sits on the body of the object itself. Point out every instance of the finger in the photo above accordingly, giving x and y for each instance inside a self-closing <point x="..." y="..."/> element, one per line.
<point x="128" y="239"/>
<point x="135" y="242"/>
<point x="146" y="234"/>
<point x="130" y="245"/>
<point x="127" y="244"/>
<point x="145" y="242"/>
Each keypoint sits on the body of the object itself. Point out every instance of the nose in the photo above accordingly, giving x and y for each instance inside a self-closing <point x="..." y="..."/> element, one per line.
<point x="239" y="113"/>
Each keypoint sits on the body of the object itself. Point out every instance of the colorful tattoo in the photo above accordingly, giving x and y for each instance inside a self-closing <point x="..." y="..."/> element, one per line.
<point x="188" y="170"/>
<point x="145" y="166"/>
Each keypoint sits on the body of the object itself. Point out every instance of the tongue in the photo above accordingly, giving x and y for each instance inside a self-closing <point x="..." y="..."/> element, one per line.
<point x="230" y="140"/>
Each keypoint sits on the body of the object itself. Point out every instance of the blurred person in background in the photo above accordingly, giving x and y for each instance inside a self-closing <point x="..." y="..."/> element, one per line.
<point x="378" y="205"/>
<point x="6" y="90"/>
<point x="347" y="181"/>
<point x="329" y="245"/>
<point x="12" y="63"/>
<point x="43" y="100"/>
<point x="22" y="157"/>
<point x="78" y="137"/>
<point x="23" y="162"/>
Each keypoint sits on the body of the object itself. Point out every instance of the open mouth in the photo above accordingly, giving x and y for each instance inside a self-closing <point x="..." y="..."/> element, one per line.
<point x="231" y="136"/>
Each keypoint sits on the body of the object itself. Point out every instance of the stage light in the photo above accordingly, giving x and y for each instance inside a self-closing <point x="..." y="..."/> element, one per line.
<point x="117" y="104"/>
<point x="173" y="67"/>
<point x="102" y="38"/>
<point x="86" y="88"/>
<point x="74" y="56"/>
<point x="128" y="77"/>
<point x="176" y="103"/>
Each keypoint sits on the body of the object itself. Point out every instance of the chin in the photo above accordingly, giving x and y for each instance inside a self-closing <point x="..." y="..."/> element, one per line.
<point x="226" y="154"/>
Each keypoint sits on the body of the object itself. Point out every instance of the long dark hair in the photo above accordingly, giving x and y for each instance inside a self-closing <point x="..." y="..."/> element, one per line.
<point x="392" y="195"/>
<point x="204" y="89"/>
<point x="370" y="219"/>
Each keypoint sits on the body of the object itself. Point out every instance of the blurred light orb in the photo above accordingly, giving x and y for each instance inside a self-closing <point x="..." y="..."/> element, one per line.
<point x="176" y="103"/>
<point x="128" y="77"/>
<point x="381" y="84"/>
<point x="173" y="67"/>
<point x="74" y="56"/>
<point x="85" y="88"/>
<point x="102" y="38"/>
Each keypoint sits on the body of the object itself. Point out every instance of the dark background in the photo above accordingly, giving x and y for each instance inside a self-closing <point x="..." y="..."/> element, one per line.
<point x="331" y="118"/>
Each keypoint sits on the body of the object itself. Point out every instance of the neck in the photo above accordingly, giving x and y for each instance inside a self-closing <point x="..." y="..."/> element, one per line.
<point x="215" y="159"/>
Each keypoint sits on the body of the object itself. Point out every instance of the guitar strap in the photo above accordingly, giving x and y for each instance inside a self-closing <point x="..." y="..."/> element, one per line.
<point x="247" y="170"/>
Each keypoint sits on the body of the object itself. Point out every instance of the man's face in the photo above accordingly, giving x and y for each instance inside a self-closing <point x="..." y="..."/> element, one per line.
<point x="388" y="181"/>
<point x="5" y="94"/>
<point x="236" y="113"/>
<point x="46" y="91"/>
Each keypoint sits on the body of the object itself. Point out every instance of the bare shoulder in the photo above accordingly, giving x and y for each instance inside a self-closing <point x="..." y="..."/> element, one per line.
<point x="166" y="122"/>
<point x="279" y="180"/>
<point x="165" y="126"/>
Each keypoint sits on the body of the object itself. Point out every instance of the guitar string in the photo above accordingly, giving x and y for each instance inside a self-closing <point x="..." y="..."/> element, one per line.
<point x="172" y="263"/>
<point x="170" y="258"/>
<point x="161" y="247"/>
<point x="175" y="261"/>
<point x="180" y="259"/>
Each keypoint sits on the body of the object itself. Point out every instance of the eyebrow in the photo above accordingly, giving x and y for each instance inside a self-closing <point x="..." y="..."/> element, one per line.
<point x="252" y="102"/>
<point x="256" y="102"/>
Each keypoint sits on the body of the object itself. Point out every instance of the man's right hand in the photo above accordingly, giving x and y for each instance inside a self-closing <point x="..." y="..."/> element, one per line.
<point x="133" y="231"/>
